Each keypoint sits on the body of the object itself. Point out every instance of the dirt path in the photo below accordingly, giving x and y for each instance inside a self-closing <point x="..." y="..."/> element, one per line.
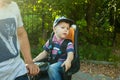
<point x="91" y="71"/>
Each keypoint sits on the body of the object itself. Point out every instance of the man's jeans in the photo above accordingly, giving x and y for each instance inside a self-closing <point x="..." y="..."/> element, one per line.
<point x="54" y="71"/>
<point x="23" y="77"/>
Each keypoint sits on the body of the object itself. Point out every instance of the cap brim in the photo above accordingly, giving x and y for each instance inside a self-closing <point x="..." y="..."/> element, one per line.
<point x="66" y="20"/>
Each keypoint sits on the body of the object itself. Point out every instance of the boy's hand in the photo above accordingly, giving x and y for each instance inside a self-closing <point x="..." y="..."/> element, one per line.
<point x="67" y="64"/>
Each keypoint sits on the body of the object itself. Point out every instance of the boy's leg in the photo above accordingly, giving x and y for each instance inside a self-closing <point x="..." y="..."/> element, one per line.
<point x="23" y="77"/>
<point x="54" y="71"/>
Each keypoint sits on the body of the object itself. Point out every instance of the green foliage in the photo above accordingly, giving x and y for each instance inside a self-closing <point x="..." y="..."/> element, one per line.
<point x="96" y="21"/>
<point x="114" y="58"/>
<point x="35" y="51"/>
<point x="100" y="53"/>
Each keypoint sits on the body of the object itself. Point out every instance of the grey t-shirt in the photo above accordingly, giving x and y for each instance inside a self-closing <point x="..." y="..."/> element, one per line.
<point x="8" y="39"/>
<point x="11" y="65"/>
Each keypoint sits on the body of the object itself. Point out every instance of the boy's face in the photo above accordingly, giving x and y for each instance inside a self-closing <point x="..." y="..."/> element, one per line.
<point x="62" y="30"/>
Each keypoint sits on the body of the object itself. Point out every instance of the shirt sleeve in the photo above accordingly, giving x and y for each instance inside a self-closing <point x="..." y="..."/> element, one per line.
<point x="19" y="18"/>
<point x="17" y="13"/>
<point x="45" y="47"/>
<point x="70" y="47"/>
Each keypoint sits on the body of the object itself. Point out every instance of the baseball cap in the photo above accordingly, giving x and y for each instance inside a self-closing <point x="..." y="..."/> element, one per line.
<point x="62" y="19"/>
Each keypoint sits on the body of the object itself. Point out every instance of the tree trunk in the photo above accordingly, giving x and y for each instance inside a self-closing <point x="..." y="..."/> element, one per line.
<point x="89" y="15"/>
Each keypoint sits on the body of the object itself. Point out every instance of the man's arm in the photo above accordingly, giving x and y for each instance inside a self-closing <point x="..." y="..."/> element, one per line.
<point x="26" y="52"/>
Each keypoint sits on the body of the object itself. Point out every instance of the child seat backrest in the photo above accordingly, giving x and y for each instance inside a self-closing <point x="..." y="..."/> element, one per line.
<point x="73" y="35"/>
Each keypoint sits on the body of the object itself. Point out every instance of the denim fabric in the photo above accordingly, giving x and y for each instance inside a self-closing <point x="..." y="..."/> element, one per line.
<point x="54" y="71"/>
<point x="23" y="77"/>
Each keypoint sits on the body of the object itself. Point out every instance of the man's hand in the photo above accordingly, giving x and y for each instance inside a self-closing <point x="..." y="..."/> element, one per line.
<point x="33" y="69"/>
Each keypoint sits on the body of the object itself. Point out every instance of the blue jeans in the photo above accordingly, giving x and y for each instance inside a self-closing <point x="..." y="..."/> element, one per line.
<point x="23" y="77"/>
<point x="54" y="71"/>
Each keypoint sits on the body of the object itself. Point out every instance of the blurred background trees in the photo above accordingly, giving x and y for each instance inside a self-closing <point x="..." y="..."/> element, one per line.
<point x="98" y="20"/>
